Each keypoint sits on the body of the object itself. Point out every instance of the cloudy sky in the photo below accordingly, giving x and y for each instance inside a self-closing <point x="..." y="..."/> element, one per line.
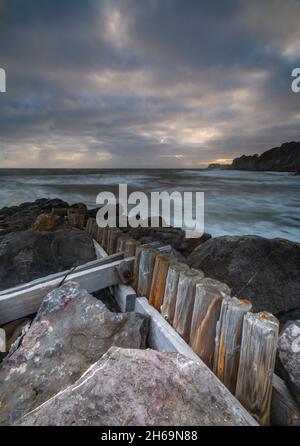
<point x="146" y="83"/>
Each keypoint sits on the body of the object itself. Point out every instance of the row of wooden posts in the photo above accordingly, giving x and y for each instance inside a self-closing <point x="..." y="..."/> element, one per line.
<point x="237" y="344"/>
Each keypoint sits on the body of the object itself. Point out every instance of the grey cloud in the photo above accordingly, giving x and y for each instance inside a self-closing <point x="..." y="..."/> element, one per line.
<point x="146" y="83"/>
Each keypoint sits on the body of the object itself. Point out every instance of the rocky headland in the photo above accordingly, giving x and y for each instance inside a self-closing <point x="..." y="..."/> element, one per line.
<point x="285" y="158"/>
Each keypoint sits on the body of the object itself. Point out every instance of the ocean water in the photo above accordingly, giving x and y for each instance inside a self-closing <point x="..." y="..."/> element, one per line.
<point x="236" y="202"/>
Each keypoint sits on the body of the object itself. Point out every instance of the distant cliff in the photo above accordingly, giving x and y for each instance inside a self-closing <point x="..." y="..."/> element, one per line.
<point x="285" y="158"/>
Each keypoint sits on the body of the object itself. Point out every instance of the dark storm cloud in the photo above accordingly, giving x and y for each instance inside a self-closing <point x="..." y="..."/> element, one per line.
<point x="146" y="83"/>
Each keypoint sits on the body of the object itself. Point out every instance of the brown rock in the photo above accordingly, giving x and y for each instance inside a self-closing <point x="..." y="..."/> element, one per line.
<point x="46" y="222"/>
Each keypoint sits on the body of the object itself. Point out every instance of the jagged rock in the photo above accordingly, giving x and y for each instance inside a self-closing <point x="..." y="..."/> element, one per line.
<point x="71" y="331"/>
<point x="28" y="255"/>
<point x="46" y="222"/>
<point x="19" y="218"/>
<point x="264" y="271"/>
<point x="289" y="356"/>
<point x="13" y="330"/>
<point x="140" y="387"/>
<point x="285" y="158"/>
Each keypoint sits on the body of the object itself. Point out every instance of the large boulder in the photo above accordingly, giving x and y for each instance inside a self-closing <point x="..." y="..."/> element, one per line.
<point x="71" y="331"/>
<point x="289" y="356"/>
<point x="28" y="255"/>
<point x="140" y="388"/>
<point x="265" y="271"/>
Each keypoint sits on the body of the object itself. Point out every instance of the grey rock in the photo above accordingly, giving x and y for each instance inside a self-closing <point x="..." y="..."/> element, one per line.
<point x="289" y="356"/>
<point x="264" y="271"/>
<point x="28" y="255"/>
<point x="71" y="331"/>
<point x="140" y="387"/>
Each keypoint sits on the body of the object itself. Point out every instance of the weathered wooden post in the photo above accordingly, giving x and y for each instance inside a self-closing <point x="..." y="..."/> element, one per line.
<point x="94" y="228"/>
<point x="76" y="217"/>
<point x="113" y="239"/>
<point x="146" y="266"/>
<point x="204" y="339"/>
<point x="121" y="242"/>
<point x="185" y="302"/>
<point x="105" y="237"/>
<point x="204" y="295"/>
<point x="158" y="284"/>
<point x="89" y="225"/>
<point x="130" y="247"/>
<point x="257" y="361"/>
<point x="170" y="295"/>
<point x="99" y="235"/>
<point x="228" y="340"/>
<point x="137" y="262"/>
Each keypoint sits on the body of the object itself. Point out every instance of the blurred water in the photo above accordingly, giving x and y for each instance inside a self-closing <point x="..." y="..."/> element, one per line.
<point x="236" y="203"/>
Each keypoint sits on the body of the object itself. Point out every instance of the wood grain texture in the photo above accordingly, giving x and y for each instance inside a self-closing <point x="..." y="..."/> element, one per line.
<point x="204" y="341"/>
<point x="158" y="283"/>
<point x="185" y="302"/>
<point x="170" y="296"/>
<point x="228" y="340"/>
<point x="23" y="302"/>
<point x="204" y="295"/>
<point x="257" y="361"/>
<point x="146" y="266"/>
<point x="284" y="409"/>
<point x="130" y="247"/>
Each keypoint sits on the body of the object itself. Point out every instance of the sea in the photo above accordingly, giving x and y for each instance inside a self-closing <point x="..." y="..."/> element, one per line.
<point x="236" y="202"/>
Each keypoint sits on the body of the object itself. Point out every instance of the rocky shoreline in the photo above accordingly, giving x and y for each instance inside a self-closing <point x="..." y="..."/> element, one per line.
<point x="285" y="158"/>
<point x="36" y="239"/>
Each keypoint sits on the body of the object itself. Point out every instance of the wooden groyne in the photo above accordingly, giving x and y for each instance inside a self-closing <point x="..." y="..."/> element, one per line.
<point x="238" y="345"/>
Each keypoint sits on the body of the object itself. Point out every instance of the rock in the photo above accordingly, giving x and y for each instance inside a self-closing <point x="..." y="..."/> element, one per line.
<point x="289" y="356"/>
<point x="20" y="218"/>
<point x="140" y="388"/>
<point x="71" y="331"/>
<point x="13" y="331"/>
<point x="264" y="271"/>
<point x="28" y="255"/>
<point x="285" y="158"/>
<point x="46" y="222"/>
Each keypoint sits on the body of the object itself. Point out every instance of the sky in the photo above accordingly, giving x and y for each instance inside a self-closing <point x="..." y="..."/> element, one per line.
<point x="146" y="83"/>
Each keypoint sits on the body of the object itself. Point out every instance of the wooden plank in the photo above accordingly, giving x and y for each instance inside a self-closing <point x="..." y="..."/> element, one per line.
<point x="125" y="297"/>
<point x="62" y="274"/>
<point x="185" y="302"/>
<point x="257" y="361"/>
<point x="98" y="250"/>
<point x="228" y="340"/>
<point x="130" y="247"/>
<point x="204" y="343"/>
<point x="24" y="302"/>
<point x="146" y="266"/>
<point x="204" y="296"/>
<point x="158" y="284"/>
<point x="121" y="242"/>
